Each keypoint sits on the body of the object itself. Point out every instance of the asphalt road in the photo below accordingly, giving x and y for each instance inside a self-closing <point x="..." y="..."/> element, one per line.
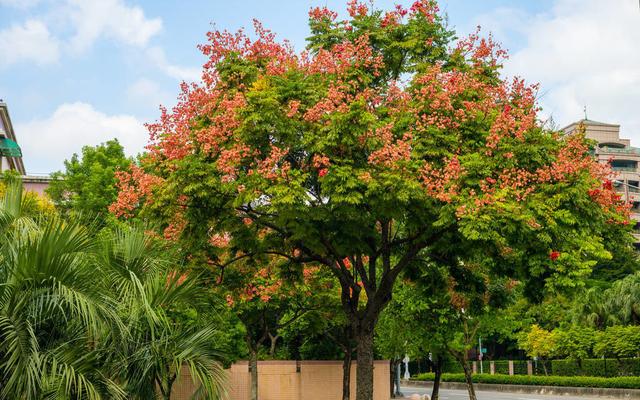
<point x="483" y="395"/>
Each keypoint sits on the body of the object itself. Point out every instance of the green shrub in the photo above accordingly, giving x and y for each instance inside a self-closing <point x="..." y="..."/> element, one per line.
<point x="452" y="367"/>
<point x="502" y="367"/>
<point x="520" y="367"/>
<point x="618" y="341"/>
<point x="624" y="382"/>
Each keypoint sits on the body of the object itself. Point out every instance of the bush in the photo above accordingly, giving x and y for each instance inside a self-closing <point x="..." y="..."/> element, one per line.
<point x="618" y="341"/>
<point x="502" y="367"/>
<point x="452" y="367"/>
<point x="623" y="382"/>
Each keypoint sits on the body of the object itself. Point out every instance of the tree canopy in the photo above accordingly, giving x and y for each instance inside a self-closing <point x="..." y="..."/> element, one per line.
<point x="387" y="143"/>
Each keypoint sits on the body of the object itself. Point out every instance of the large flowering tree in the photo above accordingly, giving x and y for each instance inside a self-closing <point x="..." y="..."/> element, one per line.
<point x="373" y="150"/>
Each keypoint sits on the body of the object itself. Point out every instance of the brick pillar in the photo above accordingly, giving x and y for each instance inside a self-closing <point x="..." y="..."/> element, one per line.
<point x="511" y="369"/>
<point x="529" y="367"/>
<point x="475" y="367"/>
<point x="492" y="367"/>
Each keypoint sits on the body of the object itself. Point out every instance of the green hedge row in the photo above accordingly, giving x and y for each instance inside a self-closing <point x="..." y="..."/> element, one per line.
<point x="624" y="382"/>
<point x="589" y="367"/>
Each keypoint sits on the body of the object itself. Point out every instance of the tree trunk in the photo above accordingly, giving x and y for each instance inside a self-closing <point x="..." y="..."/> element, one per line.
<point x="346" y="373"/>
<point x="274" y="342"/>
<point x="437" y="368"/>
<point x="253" y="366"/>
<point x="469" y="380"/>
<point x="166" y="384"/>
<point x="392" y="378"/>
<point x="364" y="373"/>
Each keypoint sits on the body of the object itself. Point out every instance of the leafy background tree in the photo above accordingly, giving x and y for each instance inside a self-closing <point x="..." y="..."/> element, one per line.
<point x="87" y="186"/>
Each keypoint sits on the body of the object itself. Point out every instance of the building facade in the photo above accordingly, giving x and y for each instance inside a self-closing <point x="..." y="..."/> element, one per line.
<point x="11" y="154"/>
<point x="624" y="159"/>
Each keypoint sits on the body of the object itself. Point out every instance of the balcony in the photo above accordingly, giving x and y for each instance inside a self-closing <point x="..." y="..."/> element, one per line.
<point x="624" y="169"/>
<point x="619" y="150"/>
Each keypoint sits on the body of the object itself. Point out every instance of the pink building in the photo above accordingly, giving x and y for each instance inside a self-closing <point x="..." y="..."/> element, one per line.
<point x="11" y="154"/>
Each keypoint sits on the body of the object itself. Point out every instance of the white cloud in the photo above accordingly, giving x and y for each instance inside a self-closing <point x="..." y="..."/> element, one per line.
<point x="47" y="142"/>
<point x="78" y="25"/>
<point x="30" y="42"/>
<point x="583" y="52"/>
<point x="148" y="93"/>
<point x="110" y="18"/>
<point x="158" y="57"/>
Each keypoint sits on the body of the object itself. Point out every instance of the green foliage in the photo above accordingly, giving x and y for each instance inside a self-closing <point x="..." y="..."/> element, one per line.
<point x="86" y="317"/>
<point x="51" y="306"/>
<point x="624" y="260"/>
<point x="574" y="342"/>
<point x="618" y="341"/>
<point x="626" y="382"/>
<point x="597" y="367"/>
<point x="618" y="304"/>
<point x="502" y="367"/>
<point x="88" y="185"/>
<point x="538" y="342"/>
<point x="30" y="205"/>
<point x="167" y="315"/>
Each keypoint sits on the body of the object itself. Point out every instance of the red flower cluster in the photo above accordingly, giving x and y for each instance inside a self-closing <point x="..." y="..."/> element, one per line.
<point x="357" y="9"/>
<point x="428" y="8"/>
<point x="322" y="13"/>
<point x="133" y="185"/>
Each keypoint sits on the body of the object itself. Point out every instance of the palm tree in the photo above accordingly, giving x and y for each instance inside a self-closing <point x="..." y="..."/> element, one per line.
<point x="160" y="343"/>
<point x="82" y="318"/>
<point x="593" y="309"/>
<point x="623" y="300"/>
<point x="51" y="308"/>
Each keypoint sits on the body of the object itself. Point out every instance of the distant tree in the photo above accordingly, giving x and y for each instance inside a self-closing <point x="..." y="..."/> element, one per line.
<point x="266" y="300"/>
<point x="538" y="342"/>
<point x="324" y="333"/>
<point x="87" y="186"/>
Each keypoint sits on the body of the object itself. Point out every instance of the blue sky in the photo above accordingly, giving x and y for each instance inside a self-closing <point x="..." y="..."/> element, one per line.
<point x="77" y="72"/>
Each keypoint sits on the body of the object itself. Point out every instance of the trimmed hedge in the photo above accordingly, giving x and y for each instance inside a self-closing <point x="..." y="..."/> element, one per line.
<point x="598" y="367"/>
<point x="622" y="382"/>
<point x="452" y="367"/>
<point x="502" y="367"/>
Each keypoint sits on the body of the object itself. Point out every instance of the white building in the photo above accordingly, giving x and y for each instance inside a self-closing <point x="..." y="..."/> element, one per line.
<point x="624" y="160"/>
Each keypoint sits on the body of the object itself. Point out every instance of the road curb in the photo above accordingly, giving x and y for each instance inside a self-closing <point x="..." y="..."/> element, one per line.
<point x="613" y="393"/>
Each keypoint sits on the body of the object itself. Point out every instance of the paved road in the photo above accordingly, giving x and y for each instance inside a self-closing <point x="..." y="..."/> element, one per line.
<point x="484" y="395"/>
